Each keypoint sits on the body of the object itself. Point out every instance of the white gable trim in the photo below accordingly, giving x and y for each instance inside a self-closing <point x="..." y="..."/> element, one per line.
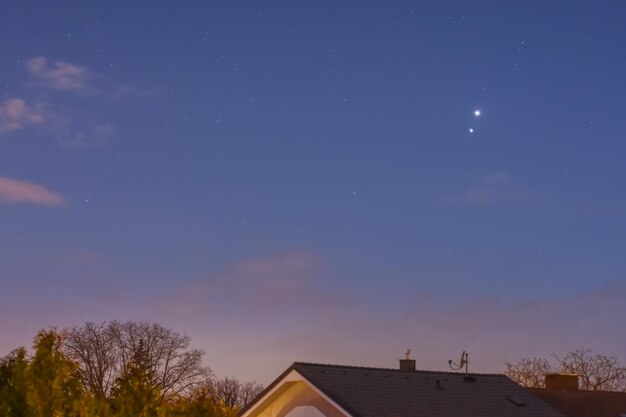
<point x="293" y="376"/>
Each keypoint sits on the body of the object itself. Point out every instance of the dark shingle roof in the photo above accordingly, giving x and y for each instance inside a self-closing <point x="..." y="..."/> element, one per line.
<point x="376" y="392"/>
<point x="585" y="403"/>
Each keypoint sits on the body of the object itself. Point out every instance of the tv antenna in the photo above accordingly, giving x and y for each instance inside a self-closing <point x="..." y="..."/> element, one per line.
<point x="462" y="363"/>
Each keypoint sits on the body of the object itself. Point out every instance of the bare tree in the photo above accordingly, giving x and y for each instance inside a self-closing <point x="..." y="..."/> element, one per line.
<point x="104" y="350"/>
<point x="234" y="393"/>
<point x="529" y="372"/>
<point x="249" y="391"/>
<point x="226" y="391"/>
<point x="175" y="368"/>
<point x="94" y="349"/>
<point x="596" y="373"/>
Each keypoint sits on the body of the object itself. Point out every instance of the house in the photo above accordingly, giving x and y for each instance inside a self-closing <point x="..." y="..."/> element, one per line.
<point x="317" y="390"/>
<point x="562" y="393"/>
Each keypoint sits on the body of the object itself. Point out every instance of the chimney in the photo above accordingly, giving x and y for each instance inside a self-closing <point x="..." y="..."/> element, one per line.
<point x="407" y="364"/>
<point x="561" y="382"/>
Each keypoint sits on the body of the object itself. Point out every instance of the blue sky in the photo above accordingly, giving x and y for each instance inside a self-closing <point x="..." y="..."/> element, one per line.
<point x="298" y="181"/>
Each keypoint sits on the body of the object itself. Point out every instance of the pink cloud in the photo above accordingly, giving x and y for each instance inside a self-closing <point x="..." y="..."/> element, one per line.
<point x="17" y="191"/>
<point x="493" y="189"/>
<point x="89" y="137"/>
<point x="75" y="257"/>
<point x="488" y="197"/>
<point x="264" y="284"/>
<point x="365" y="330"/>
<point x="256" y="316"/>
<point x="16" y="114"/>
<point x="63" y="76"/>
<point x="71" y="126"/>
<point x="493" y="330"/>
<point x="279" y="272"/>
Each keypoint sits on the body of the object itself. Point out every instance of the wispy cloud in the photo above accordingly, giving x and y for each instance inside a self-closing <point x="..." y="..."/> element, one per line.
<point x="75" y="257"/>
<point x="62" y="76"/>
<point x="18" y="191"/>
<point x="274" y="310"/>
<point x="256" y="316"/>
<point x="493" y="330"/>
<point x="91" y="136"/>
<point x="16" y="114"/>
<point x="264" y="284"/>
<point x="495" y="188"/>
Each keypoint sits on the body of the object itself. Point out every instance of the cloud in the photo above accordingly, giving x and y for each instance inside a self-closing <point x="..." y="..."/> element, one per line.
<point x="16" y="114"/>
<point x="268" y="312"/>
<point x="75" y="257"/>
<point x="71" y="121"/>
<point x="18" y="191"/>
<point x="264" y="284"/>
<point x="97" y="135"/>
<point x="257" y="315"/>
<point x="496" y="188"/>
<point x="497" y="330"/>
<point x="62" y="76"/>
<point x="282" y="272"/>
<point x="494" y="330"/>
<point x="497" y="178"/>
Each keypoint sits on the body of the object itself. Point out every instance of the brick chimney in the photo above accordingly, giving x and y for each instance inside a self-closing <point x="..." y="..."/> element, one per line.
<point x="561" y="382"/>
<point x="407" y="364"/>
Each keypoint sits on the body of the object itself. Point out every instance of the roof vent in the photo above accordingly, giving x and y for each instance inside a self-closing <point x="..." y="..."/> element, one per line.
<point x="407" y="364"/>
<point x="517" y="401"/>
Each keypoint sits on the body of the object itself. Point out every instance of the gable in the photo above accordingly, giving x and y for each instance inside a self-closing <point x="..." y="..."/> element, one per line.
<point x="294" y="396"/>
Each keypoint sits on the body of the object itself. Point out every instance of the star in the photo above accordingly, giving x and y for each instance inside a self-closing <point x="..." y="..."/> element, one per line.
<point x="471" y="130"/>
<point x="476" y="112"/>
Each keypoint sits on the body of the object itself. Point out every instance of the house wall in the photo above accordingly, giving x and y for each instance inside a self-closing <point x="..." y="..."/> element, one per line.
<point x="305" y="411"/>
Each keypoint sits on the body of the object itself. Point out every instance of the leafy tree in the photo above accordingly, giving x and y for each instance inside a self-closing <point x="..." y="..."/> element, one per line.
<point x="13" y="384"/>
<point x="199" y="404"/>
<point x="53" y="383"/>
<point x="115" y="370"/>
<point x="595" y="372"/>
<point x="134" y="394"/>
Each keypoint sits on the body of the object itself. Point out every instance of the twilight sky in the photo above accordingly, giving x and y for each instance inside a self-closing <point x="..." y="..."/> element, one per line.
<point x="309" y="180"/>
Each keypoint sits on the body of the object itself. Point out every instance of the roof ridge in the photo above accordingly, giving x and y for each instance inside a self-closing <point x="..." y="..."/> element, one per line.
<point x="371" y="368"/>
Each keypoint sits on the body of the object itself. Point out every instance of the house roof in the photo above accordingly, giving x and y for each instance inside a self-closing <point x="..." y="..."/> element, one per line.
<point x="379" y="392"/>
<point x="585" y="403"/>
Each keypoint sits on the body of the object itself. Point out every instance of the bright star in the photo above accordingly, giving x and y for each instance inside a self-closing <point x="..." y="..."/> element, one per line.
<point x="471" y="130"/>
<point x="476" y="113"/>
